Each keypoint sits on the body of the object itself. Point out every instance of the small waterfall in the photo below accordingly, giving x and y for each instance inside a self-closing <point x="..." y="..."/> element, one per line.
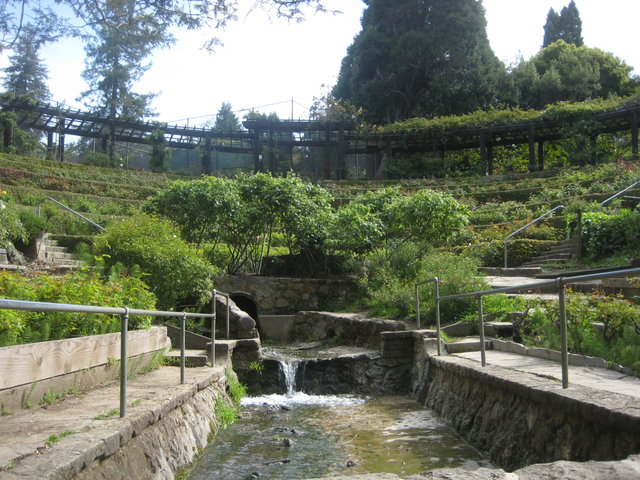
<point x="289" y="368"/>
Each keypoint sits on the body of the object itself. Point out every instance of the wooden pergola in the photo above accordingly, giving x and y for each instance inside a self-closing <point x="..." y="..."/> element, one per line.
<point x="336" y="139"/>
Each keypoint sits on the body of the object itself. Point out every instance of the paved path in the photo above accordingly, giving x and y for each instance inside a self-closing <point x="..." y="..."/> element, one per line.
<point x="94" y="413"/>
<point x="592" y="377"/>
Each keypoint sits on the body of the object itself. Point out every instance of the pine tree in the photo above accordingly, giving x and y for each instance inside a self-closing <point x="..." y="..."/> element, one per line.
<point x="26" y="75"/>
<point x="226" y="120"/>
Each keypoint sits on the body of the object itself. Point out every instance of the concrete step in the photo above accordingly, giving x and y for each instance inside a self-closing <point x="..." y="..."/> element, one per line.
<point x="193" y="358"/>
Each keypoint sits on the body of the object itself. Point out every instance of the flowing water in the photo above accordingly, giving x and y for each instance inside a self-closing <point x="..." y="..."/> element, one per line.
<point x="297" y="436"/>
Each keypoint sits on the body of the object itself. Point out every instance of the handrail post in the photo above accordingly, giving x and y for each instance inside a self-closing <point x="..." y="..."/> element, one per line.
<point x="418" y="305"/>
<point x="124" y="327"/>
<point x="183" y="322"/>
<point x="213" y="331"/>
<point x="228" y="308"/>
<point x="564" y="347"/>
<point x="505" y="252"/>
<point x="438" y="315"/>
<point x="483" y="354"/>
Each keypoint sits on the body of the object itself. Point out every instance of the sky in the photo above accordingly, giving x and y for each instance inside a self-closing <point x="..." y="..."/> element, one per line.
<point x="271" y="65"/>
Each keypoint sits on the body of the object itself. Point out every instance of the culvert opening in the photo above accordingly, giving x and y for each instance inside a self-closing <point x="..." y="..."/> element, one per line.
<point x="248" y="304"/>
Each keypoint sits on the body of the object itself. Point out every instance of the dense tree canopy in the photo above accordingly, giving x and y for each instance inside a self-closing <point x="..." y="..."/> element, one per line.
<point x="420" y="58"/>
<point x="566" y="72"/>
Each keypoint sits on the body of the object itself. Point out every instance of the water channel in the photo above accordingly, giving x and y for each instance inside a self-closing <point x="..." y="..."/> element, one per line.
<point x="297" y="436"/>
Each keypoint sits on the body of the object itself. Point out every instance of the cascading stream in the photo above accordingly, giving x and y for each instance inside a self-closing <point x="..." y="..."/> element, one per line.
<point x="297" y="435"/>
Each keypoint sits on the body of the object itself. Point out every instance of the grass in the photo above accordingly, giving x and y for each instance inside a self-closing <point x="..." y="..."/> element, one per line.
<point x="50" y="397"/>
<point x="56" y="437"/>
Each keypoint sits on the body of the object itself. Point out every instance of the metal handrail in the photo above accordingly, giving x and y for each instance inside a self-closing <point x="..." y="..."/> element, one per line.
<point x="124" y="312"/>
<point x="533" y="222"/>
<point x="69" y="210"/>
<point x="435" y="280"/>
<point x="618" y="194"/>
<point x="560" y="282"/>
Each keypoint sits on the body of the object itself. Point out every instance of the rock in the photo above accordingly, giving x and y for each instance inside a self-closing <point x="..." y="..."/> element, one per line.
<point x="287" y="442"/>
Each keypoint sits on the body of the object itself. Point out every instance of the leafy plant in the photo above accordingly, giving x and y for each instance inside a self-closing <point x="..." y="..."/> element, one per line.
<point x="174" y="271"/>
<point x="56" y="437"/>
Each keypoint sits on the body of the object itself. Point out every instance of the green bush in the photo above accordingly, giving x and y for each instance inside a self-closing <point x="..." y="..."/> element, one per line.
<point x="11" y="228"/>
<point x="604" y="233"/>
<point x="391" y="284"/>
<point x="174" y="271"/>
<point x="82" y="288"/>
<point x="519" y="250"/>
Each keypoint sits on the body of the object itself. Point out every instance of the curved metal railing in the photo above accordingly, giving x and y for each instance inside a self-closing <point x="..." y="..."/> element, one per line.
<point x="533" y="222"/>
<point x="99" y="227"/>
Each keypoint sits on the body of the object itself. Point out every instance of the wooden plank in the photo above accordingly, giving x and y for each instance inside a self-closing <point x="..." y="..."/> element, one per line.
<point x="25" y="364"/>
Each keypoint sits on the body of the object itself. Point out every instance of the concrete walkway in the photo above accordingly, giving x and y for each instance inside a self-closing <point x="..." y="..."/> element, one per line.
<point x="591" y="377"/>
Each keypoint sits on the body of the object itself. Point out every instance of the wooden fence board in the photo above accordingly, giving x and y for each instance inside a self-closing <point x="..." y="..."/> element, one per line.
<point x="24" y="364"/>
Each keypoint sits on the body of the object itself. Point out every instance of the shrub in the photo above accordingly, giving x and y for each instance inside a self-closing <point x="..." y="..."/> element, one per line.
<point x="391" y="284"/>
<point x="491" y="254"/>
<point x="606" y="233"/>
<point x="83" y="288"/>
<point x="174" y="271"/>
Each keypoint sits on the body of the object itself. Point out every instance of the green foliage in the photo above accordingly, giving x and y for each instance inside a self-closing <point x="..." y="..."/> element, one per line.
<point x="415" y="58"/>
<point x="498" y="212"/>
<point x="236" y="389"/>
<point x="391" y="284"/>
<point x="75" y="288"/>
<point x="604" y="233"/>
<point x="11" y="228"/>
<point x="519" y="250"/>
<point x="602" y="326"/>
<point x="160" y="154"/>
<point x="565" y="26"/>
<point x="174" y="271"/>
<point x="56" y="437"/>
<point x="23" y="142"/>
<point x="245" y="213"/>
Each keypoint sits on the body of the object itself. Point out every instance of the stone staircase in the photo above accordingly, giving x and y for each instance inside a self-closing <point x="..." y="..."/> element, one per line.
<point x="52" y="255"/>
<point x="559" y="254"/>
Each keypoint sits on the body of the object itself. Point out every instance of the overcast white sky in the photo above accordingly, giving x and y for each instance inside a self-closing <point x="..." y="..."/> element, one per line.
<point x="265" y="65"/>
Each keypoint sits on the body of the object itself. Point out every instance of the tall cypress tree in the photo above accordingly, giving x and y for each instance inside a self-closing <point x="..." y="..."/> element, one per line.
<point x="419" y="58"/>
<point x="565" y="26"/>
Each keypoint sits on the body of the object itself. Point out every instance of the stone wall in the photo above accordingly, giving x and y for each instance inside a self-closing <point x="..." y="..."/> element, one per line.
<point x="282" y="295"/>
<point x="520" y="419"/>
<point x="159" y="446"/>
<point x="351" y="329"/>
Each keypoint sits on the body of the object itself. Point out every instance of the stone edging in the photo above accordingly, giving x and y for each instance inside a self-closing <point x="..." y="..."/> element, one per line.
<point x="555" y="355"/>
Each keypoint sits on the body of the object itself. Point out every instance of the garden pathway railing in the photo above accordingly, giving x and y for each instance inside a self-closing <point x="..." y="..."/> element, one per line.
<point x="559" y="282"/>
<point x="124" y="313"/>
<point x="99" y="227"/>
<point x="613" y="197"/>
<point x="533" y="222"/>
